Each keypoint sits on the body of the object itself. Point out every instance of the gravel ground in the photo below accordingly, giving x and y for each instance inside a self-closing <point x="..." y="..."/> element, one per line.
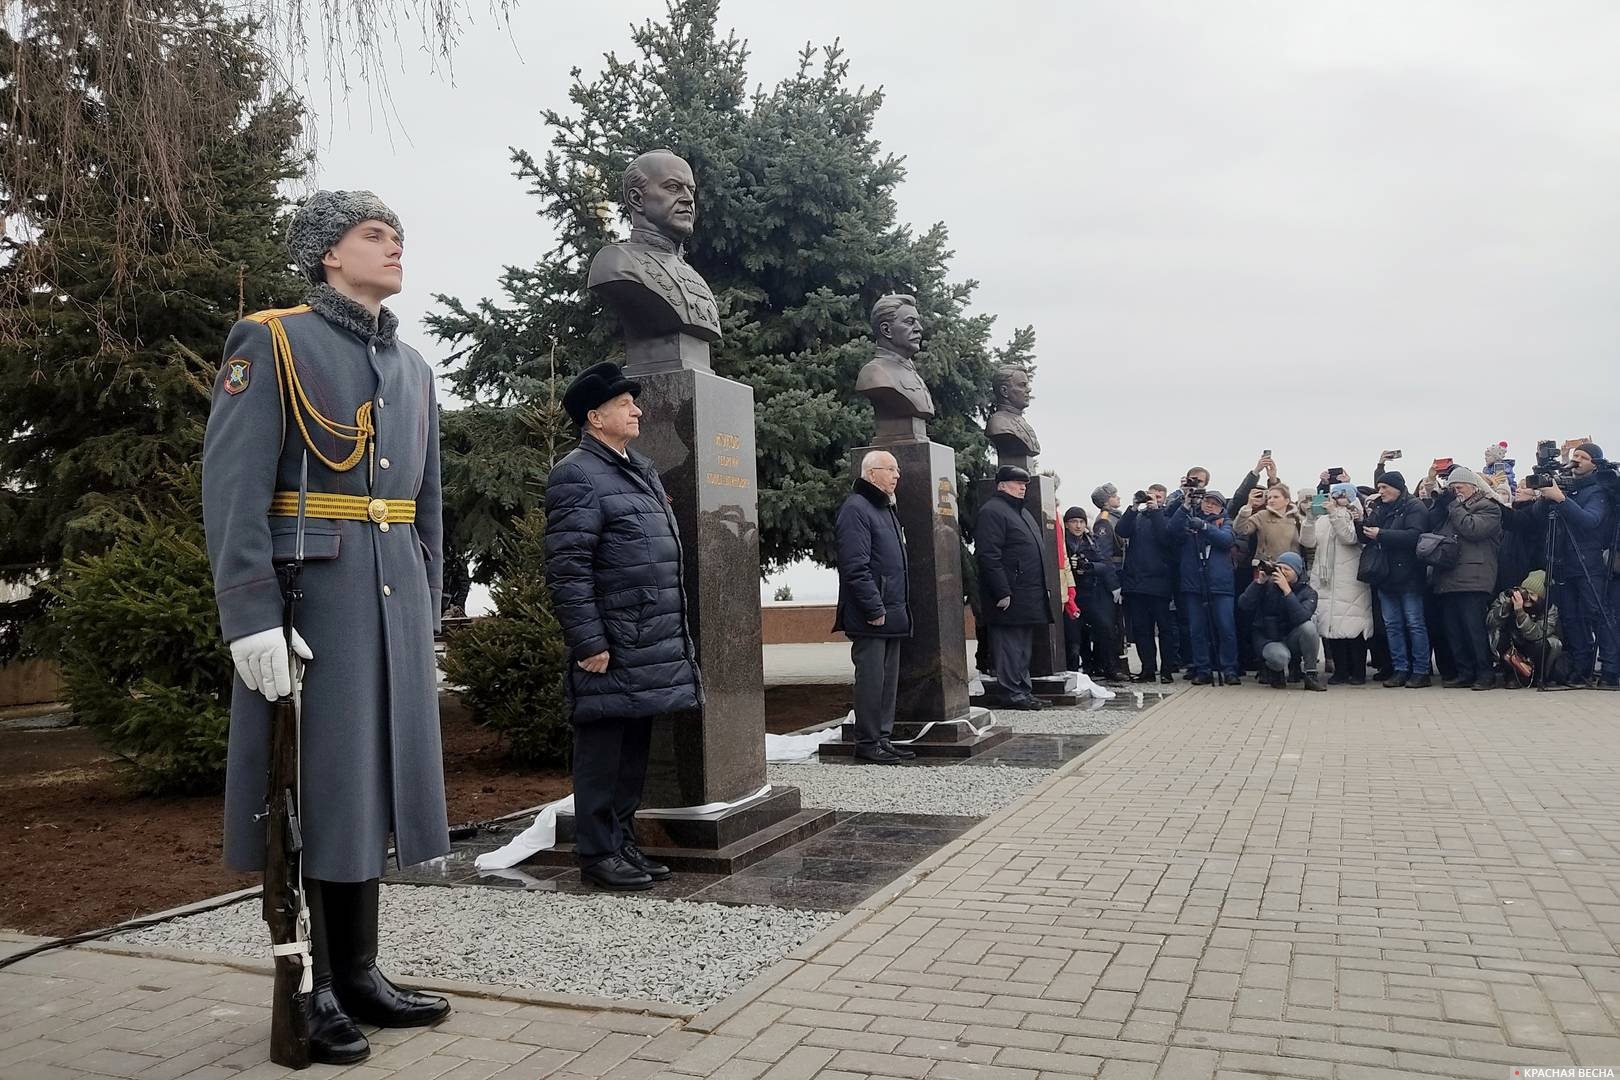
<point x="604" y="946"/>
<point x="976" y="792"/>
<point x="1075" y="721"/>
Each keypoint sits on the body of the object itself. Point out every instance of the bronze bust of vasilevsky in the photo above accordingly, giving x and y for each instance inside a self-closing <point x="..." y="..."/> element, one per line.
<point x="899" y="397"/>
<point x="667" y="311"/>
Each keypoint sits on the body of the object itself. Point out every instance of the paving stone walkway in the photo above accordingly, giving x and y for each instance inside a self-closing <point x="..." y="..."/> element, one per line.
<point x="1357" y="885"/>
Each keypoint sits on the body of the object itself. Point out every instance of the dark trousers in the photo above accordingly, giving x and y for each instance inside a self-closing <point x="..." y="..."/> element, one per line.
<point x="1434" y="617"/>
<point x="1585" y="627"/>
<point x="1218" y="618"/>
<point x="1013" y="646"/>
<point x="877" y="681"/>
<point x="1379" y="643"/>
<point x="1074" y="641"/>
<point x="1099" y="635"/>
<point x="1465" y="633"/>
<point x="1349" y="657"/>
<point x="610" y="770"/>
<point x="1151" y="616"/>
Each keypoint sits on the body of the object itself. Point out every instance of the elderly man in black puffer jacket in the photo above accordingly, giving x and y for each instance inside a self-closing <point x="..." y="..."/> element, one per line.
<point x="613" y="564"/>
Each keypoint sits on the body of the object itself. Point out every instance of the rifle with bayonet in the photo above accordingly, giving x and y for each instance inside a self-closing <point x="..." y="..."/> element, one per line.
<point x="284" y="906"/>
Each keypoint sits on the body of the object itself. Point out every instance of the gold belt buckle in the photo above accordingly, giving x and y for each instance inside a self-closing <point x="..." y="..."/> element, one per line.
<point x="377" y="511"/>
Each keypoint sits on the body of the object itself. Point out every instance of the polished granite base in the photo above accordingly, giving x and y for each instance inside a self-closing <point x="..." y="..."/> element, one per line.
<point x="723" y="843"/>
<point x="833" y="870"/>
<point x="953" y="742"/>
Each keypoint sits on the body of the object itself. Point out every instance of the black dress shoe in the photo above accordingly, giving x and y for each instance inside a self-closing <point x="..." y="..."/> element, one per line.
<point x="361" y="988"/>
<point x="334" y="1038"/>
<point x="614" y="872"/>
<point x="1167" y="678"/>
<point x="632" y="854"/>
<point x="898" y="751"/>
<point x="1145" y="677"/>
<point x="1484" y="682"/>
<point x="878" y="756"/>
<point x="1234" y="680"/>
<point x="1456" y="684"/>
<point x="1027" y="704"/>
<point x="1419" y="682"/>
<point x="1202" y="680"/>
<point x="1397" y="680"/>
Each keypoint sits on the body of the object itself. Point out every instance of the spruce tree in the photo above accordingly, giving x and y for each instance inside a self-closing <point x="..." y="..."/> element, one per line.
<point x="798" y="234"/>
<point x="99" y="366"/>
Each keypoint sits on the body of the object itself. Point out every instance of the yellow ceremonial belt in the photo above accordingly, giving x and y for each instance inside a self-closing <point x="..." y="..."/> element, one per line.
<point x="319" y="504"/>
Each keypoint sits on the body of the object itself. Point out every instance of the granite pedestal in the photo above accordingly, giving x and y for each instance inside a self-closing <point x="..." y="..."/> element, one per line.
<point x="933" y="662"/>
<point x="698" y="430"/>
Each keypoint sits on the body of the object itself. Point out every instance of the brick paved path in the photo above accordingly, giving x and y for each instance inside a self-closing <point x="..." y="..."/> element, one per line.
<point x="1246" y="882"/>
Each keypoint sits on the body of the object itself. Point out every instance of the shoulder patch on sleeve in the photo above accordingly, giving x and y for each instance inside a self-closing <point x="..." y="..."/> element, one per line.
<point x="238" y="369"/>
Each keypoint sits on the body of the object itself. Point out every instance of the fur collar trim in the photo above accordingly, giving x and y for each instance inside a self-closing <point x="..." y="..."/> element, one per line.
<point x="873" y="493"/>
<point x="340" y="310"/>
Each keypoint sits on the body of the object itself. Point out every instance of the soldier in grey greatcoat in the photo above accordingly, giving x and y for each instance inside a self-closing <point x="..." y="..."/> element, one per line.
<point x="331" y="382"/>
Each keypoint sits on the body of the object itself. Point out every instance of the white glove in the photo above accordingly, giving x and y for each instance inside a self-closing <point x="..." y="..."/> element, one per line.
<point x="1119" y="596"/>
<point x="261" y="661"/>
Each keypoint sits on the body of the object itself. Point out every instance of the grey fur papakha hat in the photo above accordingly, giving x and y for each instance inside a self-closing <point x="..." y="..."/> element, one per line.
<point x="322" y="221"/>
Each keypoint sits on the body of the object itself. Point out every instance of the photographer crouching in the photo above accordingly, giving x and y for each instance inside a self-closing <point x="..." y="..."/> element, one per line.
<point x="1281" y="606"/>
<point x="1577" y="505"/>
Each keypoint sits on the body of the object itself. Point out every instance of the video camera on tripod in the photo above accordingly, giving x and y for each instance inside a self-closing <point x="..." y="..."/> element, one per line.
<point x="1549" y="469"/>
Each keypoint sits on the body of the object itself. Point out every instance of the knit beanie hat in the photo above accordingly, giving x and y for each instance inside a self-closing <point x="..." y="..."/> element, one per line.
<point x="1495" y="452"/>
<point x="1462" y="475"/>
<point x="1394" y="480"/>
<point x="1593" y="449"/>
<point x="1074" y="512"/>
<point x="1100" y="497"/>
<point x="324" y="219"/>
<point x="1292" y="560"/>
<point x="1535" y="583"/>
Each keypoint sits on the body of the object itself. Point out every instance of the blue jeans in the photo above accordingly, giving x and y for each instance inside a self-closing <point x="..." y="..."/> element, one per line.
<point x="1404" y="624"/>
<point x="1198" y="619"/>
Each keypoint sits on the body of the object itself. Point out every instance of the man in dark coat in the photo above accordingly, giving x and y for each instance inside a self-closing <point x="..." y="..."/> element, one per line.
<point x="614" y="567"/>
<point x="1013" y="554"/>
<point x="330" y="383"/>
<point x="1204" y="535"/>
<point x="1466" y="512"/>
<point x="874" y="604"/>
<point x="1586" y="512"/>
<point x="1149" y="586"/>
<point x="1281" y="610"/>
<point x="1393" y="524"/>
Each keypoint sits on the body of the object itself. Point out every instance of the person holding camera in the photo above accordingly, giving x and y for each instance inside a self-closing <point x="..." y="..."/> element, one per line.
<point x="1465" y="512"/>
<point x="1282" y="607"/>
<point x="1088" y="625"/>
<point x="1149" y="585"/>
<point x="1344" y="610"/>
<point x="1581" y="498"/>
<point x="1200" y="525"/>
<point x="1524" y="632"/>
<point x="1390" y="565"/>
<point x="1275" y="527"/>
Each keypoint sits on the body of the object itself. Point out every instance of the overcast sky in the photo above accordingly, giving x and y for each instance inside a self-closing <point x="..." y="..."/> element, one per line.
<point x="1324" y="228"/>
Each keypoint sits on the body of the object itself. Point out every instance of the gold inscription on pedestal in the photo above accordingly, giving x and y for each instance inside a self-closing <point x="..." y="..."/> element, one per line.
<point x="724" y="460"/>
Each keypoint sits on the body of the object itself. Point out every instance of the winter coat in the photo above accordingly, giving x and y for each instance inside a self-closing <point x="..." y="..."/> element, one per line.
<point x="1344" y="605"/>
<point x="372" y="763"/>
<point x="1095" y="577"/>
<point x="1150" y="554"/>
<point x="1273" y="613"/>
<point x="1528" y="627"/>
<point x="617" y="581"/>
<point x="1524" y="536"/>
<point x="1274" y="533"/>
<point x="1104" y="533"/>
<point x="1399" y="525"/>
<point x="1585" y="527"/>
<point x="1476" y="522"/>
<point x="873" y="572"/>
<point x="1208" y="545"/>
<point x="1013" y="553"/>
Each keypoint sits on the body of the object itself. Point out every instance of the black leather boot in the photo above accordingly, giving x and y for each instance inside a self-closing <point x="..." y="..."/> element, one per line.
<point x="364" y="991"/>
<point x="334" y="1039"/>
